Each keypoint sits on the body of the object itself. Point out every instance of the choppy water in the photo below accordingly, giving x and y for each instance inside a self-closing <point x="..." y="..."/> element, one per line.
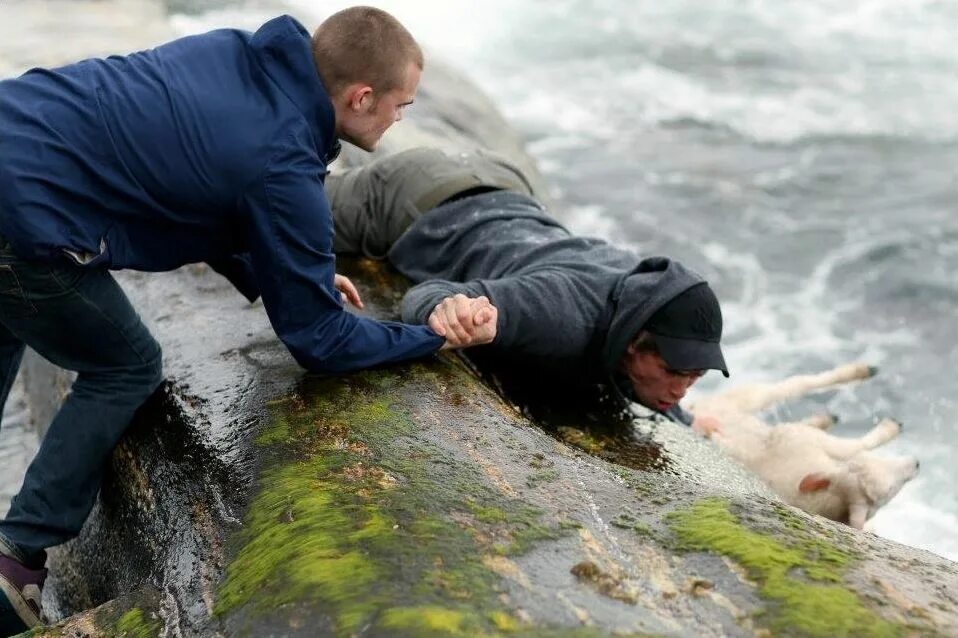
<point x="802" y="155"/>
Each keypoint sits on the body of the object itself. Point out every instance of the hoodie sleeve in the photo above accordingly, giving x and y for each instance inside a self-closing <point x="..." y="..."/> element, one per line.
<point x="420" y="300"/>
<point x="291" y="252"/>
<point x="544" y="314"/>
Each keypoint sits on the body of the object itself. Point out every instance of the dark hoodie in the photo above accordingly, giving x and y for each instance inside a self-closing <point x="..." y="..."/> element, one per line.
<point x="568" y="305"/>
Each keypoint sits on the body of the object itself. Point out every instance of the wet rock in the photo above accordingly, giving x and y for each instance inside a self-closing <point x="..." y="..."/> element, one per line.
<point x="252" y="499"/>
<point x="611" y="585"/>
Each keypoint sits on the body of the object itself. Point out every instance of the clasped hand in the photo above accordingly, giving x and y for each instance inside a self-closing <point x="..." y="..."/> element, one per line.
<point x="464" y="321"/>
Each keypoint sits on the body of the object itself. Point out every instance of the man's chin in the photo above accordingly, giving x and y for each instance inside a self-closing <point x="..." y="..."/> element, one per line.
<point x="369" y="147"/>
<point x="365" y="145"/>
<point x="655" y="405"/>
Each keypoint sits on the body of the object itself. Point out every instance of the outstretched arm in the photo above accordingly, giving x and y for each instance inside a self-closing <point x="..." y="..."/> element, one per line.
<point x="290" y="230"/>
<point x="543" y="315"/>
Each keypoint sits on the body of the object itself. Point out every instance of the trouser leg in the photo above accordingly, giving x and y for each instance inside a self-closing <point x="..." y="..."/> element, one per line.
<point x="79" y="320"/>
<point x="373" y="205"/>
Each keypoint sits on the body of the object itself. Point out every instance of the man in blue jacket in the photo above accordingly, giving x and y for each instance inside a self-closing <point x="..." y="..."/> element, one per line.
<point x="211" y="149"/>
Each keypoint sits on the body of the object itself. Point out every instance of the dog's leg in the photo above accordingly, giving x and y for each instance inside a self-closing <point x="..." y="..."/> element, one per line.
<point x="821" y="421"/>
<point x="766" y="395"/>
<point x="842" y="448"/>
<point x="857" y="515"/>
<point x="883" y="432"/>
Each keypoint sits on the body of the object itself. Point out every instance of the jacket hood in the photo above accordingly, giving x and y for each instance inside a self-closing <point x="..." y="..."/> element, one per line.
<point x="646" y="288"/>
<point x="285" y="51"/>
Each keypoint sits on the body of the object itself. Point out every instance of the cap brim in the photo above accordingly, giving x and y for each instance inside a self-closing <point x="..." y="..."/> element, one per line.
<point x="690" y="354"/>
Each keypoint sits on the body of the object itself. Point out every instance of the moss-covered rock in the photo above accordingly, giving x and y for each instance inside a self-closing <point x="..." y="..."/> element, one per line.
<point x="801" y="575"/>
<point x="135" y="615"/>
<point x="358" y="521"/>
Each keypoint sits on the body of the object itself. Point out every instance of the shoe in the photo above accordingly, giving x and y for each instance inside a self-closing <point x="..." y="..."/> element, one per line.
<point x="20" y="589"/>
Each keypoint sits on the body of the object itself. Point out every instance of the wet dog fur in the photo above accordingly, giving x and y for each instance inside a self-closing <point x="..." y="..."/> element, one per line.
<point x="835" y="477"/>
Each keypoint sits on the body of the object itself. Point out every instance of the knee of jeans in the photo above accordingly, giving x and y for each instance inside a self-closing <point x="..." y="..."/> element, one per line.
<point x="156" y="366"/>
<point x="150" y="371"/>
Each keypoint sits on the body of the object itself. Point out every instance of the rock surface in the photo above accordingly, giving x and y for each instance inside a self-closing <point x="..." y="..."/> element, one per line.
<point x="252" y="499"/>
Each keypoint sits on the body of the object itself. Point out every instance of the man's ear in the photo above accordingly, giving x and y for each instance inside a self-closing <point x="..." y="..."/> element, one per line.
<point x="359" y="97"/>
<point x="362" y="98"/>
<point x="813" y="482"/>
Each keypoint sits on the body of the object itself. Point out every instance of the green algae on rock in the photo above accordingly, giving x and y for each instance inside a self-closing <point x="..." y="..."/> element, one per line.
<point x="800" y="575"/>
<point x="132" y="616"/>
<point x="135" y="624"/>
<point x="358" y="519"/>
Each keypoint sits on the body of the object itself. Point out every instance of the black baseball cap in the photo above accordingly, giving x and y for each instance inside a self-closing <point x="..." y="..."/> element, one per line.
<point x="687" y="330"/>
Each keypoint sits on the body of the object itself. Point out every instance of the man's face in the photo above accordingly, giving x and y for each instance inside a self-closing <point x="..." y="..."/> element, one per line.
<point x="656" y="386"/>
<point x="365" y="124"/>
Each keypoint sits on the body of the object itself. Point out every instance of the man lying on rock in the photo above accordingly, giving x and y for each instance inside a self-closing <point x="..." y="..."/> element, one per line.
<point x="573" y="312"/>
<point x="468" y="230"/>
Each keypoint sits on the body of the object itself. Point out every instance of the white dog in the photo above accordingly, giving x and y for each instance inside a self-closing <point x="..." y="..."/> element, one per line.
<point x="820" y="473"/>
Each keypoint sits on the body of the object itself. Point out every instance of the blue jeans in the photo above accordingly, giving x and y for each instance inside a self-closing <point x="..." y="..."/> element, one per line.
<point x="81" y="320"/>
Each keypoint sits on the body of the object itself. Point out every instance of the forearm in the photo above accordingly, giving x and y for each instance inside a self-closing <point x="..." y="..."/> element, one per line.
<point x="349" y="343"/>
<point x="290" y="240"/>
<point x="421" y="300"/>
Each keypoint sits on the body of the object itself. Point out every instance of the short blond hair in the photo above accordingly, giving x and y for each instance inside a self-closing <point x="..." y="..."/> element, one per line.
<point x="364" y="44"/>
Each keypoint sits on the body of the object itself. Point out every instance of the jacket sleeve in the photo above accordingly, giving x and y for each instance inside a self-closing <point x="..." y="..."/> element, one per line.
<point x="290" y="238"/>
<point x="238" y="269"/>
<point x="541" y="314"/>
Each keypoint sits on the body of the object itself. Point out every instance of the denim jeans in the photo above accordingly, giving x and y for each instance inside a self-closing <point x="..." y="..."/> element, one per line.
<point x="78" y="319"/>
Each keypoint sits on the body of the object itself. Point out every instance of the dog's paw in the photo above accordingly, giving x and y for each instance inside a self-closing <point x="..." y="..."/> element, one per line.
<point x="891" y="426"/>
<point x="856" y="371"/>
<point x="822" y="420"/>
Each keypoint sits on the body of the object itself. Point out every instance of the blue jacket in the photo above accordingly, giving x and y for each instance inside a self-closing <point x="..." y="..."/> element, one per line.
<point x="210" y="148"/>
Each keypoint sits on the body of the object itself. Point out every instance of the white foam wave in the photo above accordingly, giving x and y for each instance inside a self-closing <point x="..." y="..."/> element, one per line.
<point x="246" y="17"/>
<point x="591" y="221"/>
<point x="774" y="71"/>
<point x="912" y="520"/>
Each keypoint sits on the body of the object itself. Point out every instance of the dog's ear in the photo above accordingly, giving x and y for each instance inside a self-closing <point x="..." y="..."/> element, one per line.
<point x="814" y="482"/>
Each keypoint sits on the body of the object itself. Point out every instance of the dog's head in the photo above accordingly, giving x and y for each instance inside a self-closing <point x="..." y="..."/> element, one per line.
<point x="865" y="483"/>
